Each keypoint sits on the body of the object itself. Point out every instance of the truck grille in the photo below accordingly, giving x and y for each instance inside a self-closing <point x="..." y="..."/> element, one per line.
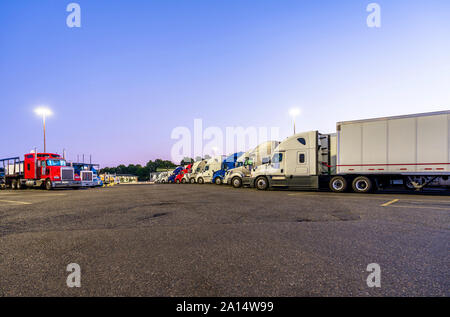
<point x="87" y="176"/>
<point x="67" y="174"/>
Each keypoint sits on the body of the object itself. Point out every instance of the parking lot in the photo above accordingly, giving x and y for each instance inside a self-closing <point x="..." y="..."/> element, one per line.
<point x="209" y="240"/>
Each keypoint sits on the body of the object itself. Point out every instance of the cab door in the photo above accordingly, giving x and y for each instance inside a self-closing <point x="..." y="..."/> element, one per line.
<point x="277" y="169"/>
<point x="302" y="163"/>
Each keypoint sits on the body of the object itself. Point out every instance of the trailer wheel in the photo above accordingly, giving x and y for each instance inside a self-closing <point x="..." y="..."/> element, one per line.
<point x="261" y="183"/>
<point x="200" y="180"/>
<point x="338" y="184"/>
<point x="183" y="181"/>
<point x="19" y="185"/>
<point x="236" y="182"/>
<point x="192" y="181"/>
<point x="218" y="181"/>
<point x="14" y="184"/>
<point x="362" y="184"/>
<point x="48" y="184"/>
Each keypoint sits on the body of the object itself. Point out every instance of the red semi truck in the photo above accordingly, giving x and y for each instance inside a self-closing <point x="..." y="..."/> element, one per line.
<point x="180" y="177"/>
<point x="45" y="170"/>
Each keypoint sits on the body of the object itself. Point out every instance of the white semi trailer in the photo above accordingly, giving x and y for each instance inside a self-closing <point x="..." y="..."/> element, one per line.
<point x="363" y="155"/>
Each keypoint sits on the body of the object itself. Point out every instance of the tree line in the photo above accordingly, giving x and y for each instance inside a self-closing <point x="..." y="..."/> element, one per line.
<point x="142" y="172"/>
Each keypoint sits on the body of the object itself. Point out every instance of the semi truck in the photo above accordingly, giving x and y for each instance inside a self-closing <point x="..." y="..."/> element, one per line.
<point x="248" y="161"/>
<point x="180" y="178"/>
<point x="187" y="176"/>
<point x="227" y="164"/>
<point x="46" y="170"/>
<point x="196" y="170"/>
<point x="88" y="174"/>
<point x="363" y="155"/>
<point x="212" y="165"/>
<point x="171" y="178"/>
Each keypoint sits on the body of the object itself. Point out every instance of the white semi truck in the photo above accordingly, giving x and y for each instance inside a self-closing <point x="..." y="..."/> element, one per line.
<point x="363" y="155"/>
<point x="212" y="165"/>
<point x="249" y="160"/>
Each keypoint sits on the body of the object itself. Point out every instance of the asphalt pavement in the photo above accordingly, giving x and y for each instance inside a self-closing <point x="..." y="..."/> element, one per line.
<point x="210" y="240"/>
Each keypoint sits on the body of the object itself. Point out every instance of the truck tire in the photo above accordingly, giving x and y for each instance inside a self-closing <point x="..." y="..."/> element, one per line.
<point x="236" y="182"/>
<point x="218" y="181"/>
<point x="183" y="181"/>
<point x="261" y="183"/>
<point x="362" y="184"/>
<point x="48" y="184"/>
<point x="200" y="180"/>
<point x="338" y="184"/>
<point x="192" y="181"/>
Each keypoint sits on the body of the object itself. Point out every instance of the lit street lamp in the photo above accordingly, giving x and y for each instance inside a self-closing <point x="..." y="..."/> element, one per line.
<point x="294" y="112"/>
<point x="44" y="112"/>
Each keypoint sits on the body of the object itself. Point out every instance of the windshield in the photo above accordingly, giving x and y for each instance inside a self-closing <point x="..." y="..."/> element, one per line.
<point x="56" y="163"/>
<point x="277" y="158"/>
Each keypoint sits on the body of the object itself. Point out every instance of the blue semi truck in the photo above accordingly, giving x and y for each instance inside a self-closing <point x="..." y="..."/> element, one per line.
<point x="227" y="163"/>
<point x="177" y="171"/>
<point x="88" y="174"/>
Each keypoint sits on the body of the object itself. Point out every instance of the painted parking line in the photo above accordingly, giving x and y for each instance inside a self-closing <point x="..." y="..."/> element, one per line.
<point x="389" y="203"/>
<point x="420" y="207"/>
<point x="15" y="202"/>
<point x="376" y="197"/>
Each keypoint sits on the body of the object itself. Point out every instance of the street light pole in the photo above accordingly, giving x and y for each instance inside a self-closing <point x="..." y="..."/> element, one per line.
<point x="294" y="113"/>
<point x="45" y="145"/>
<point x="44" y="112"/>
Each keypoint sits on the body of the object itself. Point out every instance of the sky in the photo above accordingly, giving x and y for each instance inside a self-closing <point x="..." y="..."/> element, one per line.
<point x="135" y="70"/>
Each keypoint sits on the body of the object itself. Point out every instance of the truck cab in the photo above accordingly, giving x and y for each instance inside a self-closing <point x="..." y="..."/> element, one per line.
<point x="174" y="174"/>
<point x="196" y="170"/>
<point x="297" y="163"/>
<point x="240" y="175"/>
<point x="87" y="173"/>
<point x="180" y="178"/>
<point x="227" y="164"/>
<point x="211" y="166"/>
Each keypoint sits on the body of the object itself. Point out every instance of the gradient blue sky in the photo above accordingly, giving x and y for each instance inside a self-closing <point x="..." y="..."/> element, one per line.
<point x="137" y="69"/>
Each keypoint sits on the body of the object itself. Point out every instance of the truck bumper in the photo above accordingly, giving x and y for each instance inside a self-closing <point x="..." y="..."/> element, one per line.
<point x="87" y="184"/>
<point x="61" y="184"/>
